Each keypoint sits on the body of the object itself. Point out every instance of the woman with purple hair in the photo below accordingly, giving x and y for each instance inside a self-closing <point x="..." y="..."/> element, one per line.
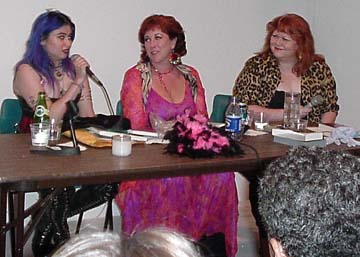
<point x="46" y="66"/>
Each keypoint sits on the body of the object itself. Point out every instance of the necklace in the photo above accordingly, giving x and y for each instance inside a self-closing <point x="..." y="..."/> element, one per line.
<point x="161" y="77"/>
<point x="58" y="72"/>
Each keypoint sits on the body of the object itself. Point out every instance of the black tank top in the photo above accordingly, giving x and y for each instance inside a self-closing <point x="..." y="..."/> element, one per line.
<point x="277" y="101"/>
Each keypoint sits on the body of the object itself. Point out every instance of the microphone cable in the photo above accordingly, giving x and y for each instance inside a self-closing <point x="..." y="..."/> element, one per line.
<point x="258" y="160"/>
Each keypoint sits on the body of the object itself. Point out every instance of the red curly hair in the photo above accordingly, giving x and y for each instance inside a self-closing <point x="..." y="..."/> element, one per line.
<point x="299" y="30"/>
<point x="168" y="25"/>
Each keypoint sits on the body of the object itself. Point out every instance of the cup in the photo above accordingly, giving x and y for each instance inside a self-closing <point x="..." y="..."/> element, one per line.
<point x="40" y="133"/>
<point x="260" y="120"/>
<point x="301" y="125"/>
<point x="250" y="117"/>
<point x="291" y="109"/>
<point x="55" y="131"/>
<point x="121" y="145"/>
<point x="159" y="125"/>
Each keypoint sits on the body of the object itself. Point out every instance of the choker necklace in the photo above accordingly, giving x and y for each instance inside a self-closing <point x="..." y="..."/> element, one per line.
<point x="161" y="77"/>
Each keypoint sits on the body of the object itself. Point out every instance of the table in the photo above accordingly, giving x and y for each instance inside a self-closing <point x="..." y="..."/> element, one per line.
<point x="22" y="171"/>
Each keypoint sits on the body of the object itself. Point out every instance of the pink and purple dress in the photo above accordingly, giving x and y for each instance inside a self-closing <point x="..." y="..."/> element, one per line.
<point x="194" y="205"/>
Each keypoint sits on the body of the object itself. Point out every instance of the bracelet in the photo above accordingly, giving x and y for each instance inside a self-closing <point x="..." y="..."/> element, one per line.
<point x="80" y="86"/>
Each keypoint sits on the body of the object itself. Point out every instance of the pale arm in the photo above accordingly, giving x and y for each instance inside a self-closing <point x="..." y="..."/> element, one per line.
<point x="27" y="84"/>
<point x="328" y="117"/>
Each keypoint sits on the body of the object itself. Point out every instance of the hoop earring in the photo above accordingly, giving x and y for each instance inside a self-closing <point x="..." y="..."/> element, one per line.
<point x="174" y="58"/>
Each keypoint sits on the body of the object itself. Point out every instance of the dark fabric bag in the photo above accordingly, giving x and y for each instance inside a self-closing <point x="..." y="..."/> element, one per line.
<point x="112" y="122"/>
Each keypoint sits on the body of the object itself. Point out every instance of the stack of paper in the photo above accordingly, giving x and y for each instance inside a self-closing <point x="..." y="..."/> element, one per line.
<point x="136" y="135"/>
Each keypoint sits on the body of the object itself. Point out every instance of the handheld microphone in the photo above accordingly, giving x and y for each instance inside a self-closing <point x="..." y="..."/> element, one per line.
<point x="89" y="72"/>
<point x="99" y="83"/>
<point x="315" y="101"/>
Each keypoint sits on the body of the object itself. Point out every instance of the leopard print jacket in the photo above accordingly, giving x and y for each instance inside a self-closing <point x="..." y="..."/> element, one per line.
<point x="258" y="80"/>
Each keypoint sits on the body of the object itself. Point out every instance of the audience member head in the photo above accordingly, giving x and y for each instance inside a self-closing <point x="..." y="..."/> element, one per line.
<point x="151" y="242"/>
<point x="299" y="31"/>
<point x="168" y="25"/>
<point x="159" y="242"/>
<point x="35" y="54"/>
<point x="309" y="202"/>
<point x="95" y="244"/>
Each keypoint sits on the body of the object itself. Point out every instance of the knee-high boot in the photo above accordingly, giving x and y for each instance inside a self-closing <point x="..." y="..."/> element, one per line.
<point x="59" y="215"/>
<point x="52" y="228"/>
<point x="42" y="239"/>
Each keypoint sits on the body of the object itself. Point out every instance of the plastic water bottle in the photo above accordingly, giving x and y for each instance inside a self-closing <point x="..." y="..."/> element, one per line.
<point x="233" y="119"/>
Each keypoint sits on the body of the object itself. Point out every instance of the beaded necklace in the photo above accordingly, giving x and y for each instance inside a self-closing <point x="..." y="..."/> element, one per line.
<point x="161" y="77"/>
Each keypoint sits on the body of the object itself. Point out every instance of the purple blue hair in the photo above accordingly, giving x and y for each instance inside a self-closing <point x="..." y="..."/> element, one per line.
<point x="35" y="55"/>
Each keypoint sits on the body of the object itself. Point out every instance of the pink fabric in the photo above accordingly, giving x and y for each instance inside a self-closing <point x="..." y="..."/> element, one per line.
<point x="196" y="205"/>
<point x="167" y="110"/>
<point x="132" y="102"/>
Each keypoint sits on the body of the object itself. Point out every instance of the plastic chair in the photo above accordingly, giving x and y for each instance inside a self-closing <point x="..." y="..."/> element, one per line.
<point x="10" y="115"/>
<point x="119" y="108"/>
<point x="220" y="104"/>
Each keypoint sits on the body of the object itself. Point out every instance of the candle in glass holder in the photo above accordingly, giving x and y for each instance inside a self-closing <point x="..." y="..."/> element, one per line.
<point x="121" y="145"/>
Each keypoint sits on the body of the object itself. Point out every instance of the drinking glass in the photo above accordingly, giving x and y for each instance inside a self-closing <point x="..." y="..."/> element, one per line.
<point x="40" y="134"/>
<point x="260" y="120"/>
<point x="55" y="131"/>
<point x="291" y="109"/>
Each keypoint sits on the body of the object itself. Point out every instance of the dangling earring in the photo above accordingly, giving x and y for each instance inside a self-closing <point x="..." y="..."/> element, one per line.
<point x="300" y="57"/>
<point x="174" y="58"/>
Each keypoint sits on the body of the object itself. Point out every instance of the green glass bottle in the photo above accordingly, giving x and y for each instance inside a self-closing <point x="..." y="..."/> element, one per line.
<point x="41" y="113"/>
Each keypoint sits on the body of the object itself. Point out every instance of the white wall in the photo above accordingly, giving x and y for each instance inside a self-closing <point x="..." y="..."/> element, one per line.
<point x="221" y="35"/>
<point x="338" y="35"/>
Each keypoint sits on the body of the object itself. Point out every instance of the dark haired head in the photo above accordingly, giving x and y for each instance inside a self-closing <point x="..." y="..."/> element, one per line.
<point x="309" y="201"/>
<point x="168" y="25"/>
<point x="299" y="30"/>
<point x="35" y="55"/>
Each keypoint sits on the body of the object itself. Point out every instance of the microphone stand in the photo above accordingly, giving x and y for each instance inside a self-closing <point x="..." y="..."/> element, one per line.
<point x="105" y="93"/>
<point x="73" y="112"/>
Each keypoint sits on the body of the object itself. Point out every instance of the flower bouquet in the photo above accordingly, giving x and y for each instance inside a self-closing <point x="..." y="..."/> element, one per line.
<point x="192" y="136"/>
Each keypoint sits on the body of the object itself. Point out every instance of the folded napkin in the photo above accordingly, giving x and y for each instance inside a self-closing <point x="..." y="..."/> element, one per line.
<point x="254" y="133"/>
<point x="344" y="135"/>
<point x="70" y="144"/>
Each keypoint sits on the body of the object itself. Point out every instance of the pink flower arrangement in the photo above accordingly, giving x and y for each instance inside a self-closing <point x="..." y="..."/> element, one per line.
<point x="192" y="136"/>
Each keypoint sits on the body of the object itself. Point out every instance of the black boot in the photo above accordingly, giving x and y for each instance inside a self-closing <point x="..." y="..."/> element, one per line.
<point x="59" y="214"/>
<point x="52" y="229"/>
<point x="42" y="240"/>
<point x="91" y="196"/>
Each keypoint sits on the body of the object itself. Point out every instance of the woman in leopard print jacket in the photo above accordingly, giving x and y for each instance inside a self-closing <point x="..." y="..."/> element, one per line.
<point x="288" y="63"/>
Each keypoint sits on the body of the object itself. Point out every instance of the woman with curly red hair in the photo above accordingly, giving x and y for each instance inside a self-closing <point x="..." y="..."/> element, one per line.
<point x="203" y="207"/>
<point x="288" y="63"/>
